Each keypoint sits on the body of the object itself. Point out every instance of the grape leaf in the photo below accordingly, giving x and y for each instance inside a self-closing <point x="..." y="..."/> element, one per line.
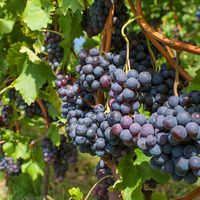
<point x="54" y="134"/>
<point x="31" y="55"/>
<point x="159" y="196"/>
<point x="14" y="56"/>
<point x="21" y="151"/>
<point x="6" y="26"/>
<point x="33" y="9"/>
<point x="32" y="79"/>
<point x="73" y="5"/>
<point x="75" y="194"/>
<point x="195" y="82"/>
<point x="140" y="157"/>
<point x="33" y="169"/>
<point x="8" y="148"/>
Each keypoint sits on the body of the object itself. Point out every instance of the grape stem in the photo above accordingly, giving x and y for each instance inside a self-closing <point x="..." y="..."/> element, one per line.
<point x="52" y="31"/>
<point x="153" y="59"/>
<point x="127" y="65"/>
<point x="176" y="82"/>
<point x="89" y="193"/>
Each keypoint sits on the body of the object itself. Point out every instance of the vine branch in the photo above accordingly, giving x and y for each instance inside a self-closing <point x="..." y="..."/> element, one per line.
<point x="168" y="58"/>
<point x="191" y="195"/>
<point x="47" y="169"/>
<point x="175" y="44"/>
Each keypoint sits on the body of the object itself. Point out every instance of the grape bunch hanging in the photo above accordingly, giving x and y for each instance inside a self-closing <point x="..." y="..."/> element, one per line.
<point x="104" y="107"/>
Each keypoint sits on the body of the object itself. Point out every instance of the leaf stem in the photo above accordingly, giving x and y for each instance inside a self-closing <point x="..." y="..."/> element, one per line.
<point x="52" y="31"/>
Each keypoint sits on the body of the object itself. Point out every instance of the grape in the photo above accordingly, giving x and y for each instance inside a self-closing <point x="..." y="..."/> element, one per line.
<point x="194" y="162"/>
<point x="190" y="178"/>
<point x="151" y="140"/>
<point x="135" y="128"/>
<point x="132" y="74"/>
<point x="125" y="135"/>
<point x="178" y="133"/>
<point x="182" y="164"/>
<point x="132" y="83"/>
<point x="140" y="119"/>
<point x="117" y="129"/>
<point x="169" y="122"/>
<point x="167" y="149"/>
<point x="128" y="94"/>
<point x="173" y="101"/>
<point x="168" y="167"/>
<point x="183" y="118"/>
<point x="161" y="159"/>
<point x="115" y="117"/>
<point x="141" y="143"/>
<point x="189" y="151"/>
<point x="100" y="143"/>
<point x="155" y="151"/>
<point x="161" y="138"/>
<point x="126" y="121"/>
<point x="192" y="129"/>
<point x="147" y="129"/>
<point x="154" y="165"/>
<point x="177" y="151"/>
<point x="116" y="88"/>
<point x="144" y="78"/>
<point x="105" y="81"/>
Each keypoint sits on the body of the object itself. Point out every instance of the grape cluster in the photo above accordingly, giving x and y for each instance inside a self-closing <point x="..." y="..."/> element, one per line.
<point x="92" y="133"/>
<point x="95" y="18"/>
<point x="119" y="19"/>
<point x="125" y="89"/>
<point x="5" y="111"/>
<point x="94" y="70"/>
<point x="49" y="150"/>
<point x="172" y="137"/>
<point x="101" y="192"/>
<point x="11" y="167"/>
<point x="60" y="157"/>
<point x="52" y="47"/>
<point x="161" y="88"/>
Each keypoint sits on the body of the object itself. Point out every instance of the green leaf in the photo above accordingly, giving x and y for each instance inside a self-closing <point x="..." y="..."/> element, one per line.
<point x="31" y="55"/>
<point x="73" y="5"/>
<point x="32" y="79"/>
<point x="140" y="157"/>
<point x="159" y="196"/>
<point x="37" y="45"/>
<point x="90" y="43"/>
<point x="6" y="26"/>
<point x="33" y="169"/>
<point x="21" y="151"/>
<point x="75" y="194"/>
<point x="195" y="82"/>
<point x="33" y="9"/>
<point x="54" y="134"/>
<point x="70" y="26"/>
<point x="133" y="193"/>
<point x="54" y="99"/>
<point x="14" y="57"/>
<point x="8" y="148"/>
